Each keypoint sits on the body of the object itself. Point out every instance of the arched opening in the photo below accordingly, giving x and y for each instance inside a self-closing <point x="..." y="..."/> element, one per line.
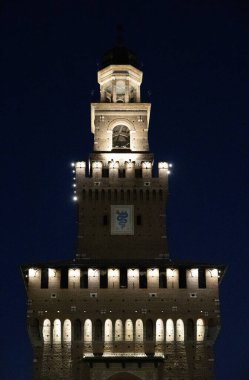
<point x="190" y="329"/>
<point x="120" y="137"/>
<point x="57" y="331"/>
<point x="46" y="331"/>
<point x="139" y="333"/>
<point x="179" y="330"/>
<point x="128" y="330"/>
<point x="159" y="330"/>
<point x="149" y="329"/>
<point x="88" y="330"/>
<point x="98" y="330"/>
<point x="170" y="333"/>
<point x="200" y="330"/>
<point x="67" y="333"/>
<point x="118" y="330"/>
<point x="77" y="330"/>
<point x="108" y="330"/>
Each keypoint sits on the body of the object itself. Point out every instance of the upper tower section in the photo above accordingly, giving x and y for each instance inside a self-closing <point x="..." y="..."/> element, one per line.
<point x="120" y="79"/>
<point x="120" y="122"/>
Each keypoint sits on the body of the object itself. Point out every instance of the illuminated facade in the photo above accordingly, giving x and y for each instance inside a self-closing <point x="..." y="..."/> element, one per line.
<point x="121" y="309"/>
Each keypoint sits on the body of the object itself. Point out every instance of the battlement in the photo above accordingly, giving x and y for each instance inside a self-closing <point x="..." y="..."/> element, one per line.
<point x="122" y="278"/>
<point x="120" y="169"/>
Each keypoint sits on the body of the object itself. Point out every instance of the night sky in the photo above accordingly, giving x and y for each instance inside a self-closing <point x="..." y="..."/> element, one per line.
<point x="195" y="59"/>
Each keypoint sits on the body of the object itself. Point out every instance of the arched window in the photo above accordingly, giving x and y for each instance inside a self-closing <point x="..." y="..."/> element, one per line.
<point x="88" y="330"/>
<point x="120" y="137"/>
<point x="170" y="333"/>
<point x="159" y="330"/>
<point x="128" y="195"/>
<point x="179" y="330"/>
<point x="139" y="331"/>
<point x="57" y="331"/>
<point x="108" y="330"/>
<point x="200" y="330"/>
<point x="67" y="331"/>
<point x="118" y="330"/>
<point x="128" y="330"/>
<point x="46" y="331"/>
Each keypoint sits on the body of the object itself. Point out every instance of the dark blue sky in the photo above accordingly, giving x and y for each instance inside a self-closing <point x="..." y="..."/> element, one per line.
<point x="195" y="62"/>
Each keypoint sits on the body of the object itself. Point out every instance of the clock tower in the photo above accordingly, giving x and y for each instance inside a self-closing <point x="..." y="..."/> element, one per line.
<point x="122" y="309"/>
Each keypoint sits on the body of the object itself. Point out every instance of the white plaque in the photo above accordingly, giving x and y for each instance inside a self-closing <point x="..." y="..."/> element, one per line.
<point x="122" y="220"/>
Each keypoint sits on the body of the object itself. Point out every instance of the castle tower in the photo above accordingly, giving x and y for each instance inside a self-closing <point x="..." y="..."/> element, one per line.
<point x="121" y="309"/>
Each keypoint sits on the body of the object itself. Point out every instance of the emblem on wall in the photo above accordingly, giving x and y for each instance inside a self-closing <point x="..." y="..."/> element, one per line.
<point x="122" y="222"/>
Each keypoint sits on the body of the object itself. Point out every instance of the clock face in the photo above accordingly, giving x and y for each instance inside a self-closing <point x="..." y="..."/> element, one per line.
<point x="121" y="137"/>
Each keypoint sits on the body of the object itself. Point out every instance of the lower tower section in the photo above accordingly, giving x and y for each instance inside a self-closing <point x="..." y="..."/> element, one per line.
<point x="150" y="319"/>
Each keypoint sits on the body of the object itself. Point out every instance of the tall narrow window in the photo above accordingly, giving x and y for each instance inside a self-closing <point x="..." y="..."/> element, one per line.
<point x="170" y="335"/>
<point x="139" y="333"/>
<point x="67" y="330"/>
<point x="179" y="330"/>
<point x="46" y="331"/>
<point x="88" y="330"/>
<point x="128" y="330"/>
<point x="118" y="330"/>
<point x="108" y="330"/>
<point x="57" y="331"/>
<point x="200" y="330"/>
<point x="159" y="330"/>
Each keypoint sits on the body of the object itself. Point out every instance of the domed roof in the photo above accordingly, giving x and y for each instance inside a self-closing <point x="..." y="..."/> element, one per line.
<point x="119" y="55"/>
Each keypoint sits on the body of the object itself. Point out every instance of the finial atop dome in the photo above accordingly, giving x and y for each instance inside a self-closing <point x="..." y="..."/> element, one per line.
<point x="119" y="55"/>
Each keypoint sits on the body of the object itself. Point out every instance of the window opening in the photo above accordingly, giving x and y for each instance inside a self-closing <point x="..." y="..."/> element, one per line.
<point x="120" y="137"/>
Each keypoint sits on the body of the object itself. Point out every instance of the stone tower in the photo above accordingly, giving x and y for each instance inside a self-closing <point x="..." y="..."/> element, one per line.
<point x="121" y="309"/>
